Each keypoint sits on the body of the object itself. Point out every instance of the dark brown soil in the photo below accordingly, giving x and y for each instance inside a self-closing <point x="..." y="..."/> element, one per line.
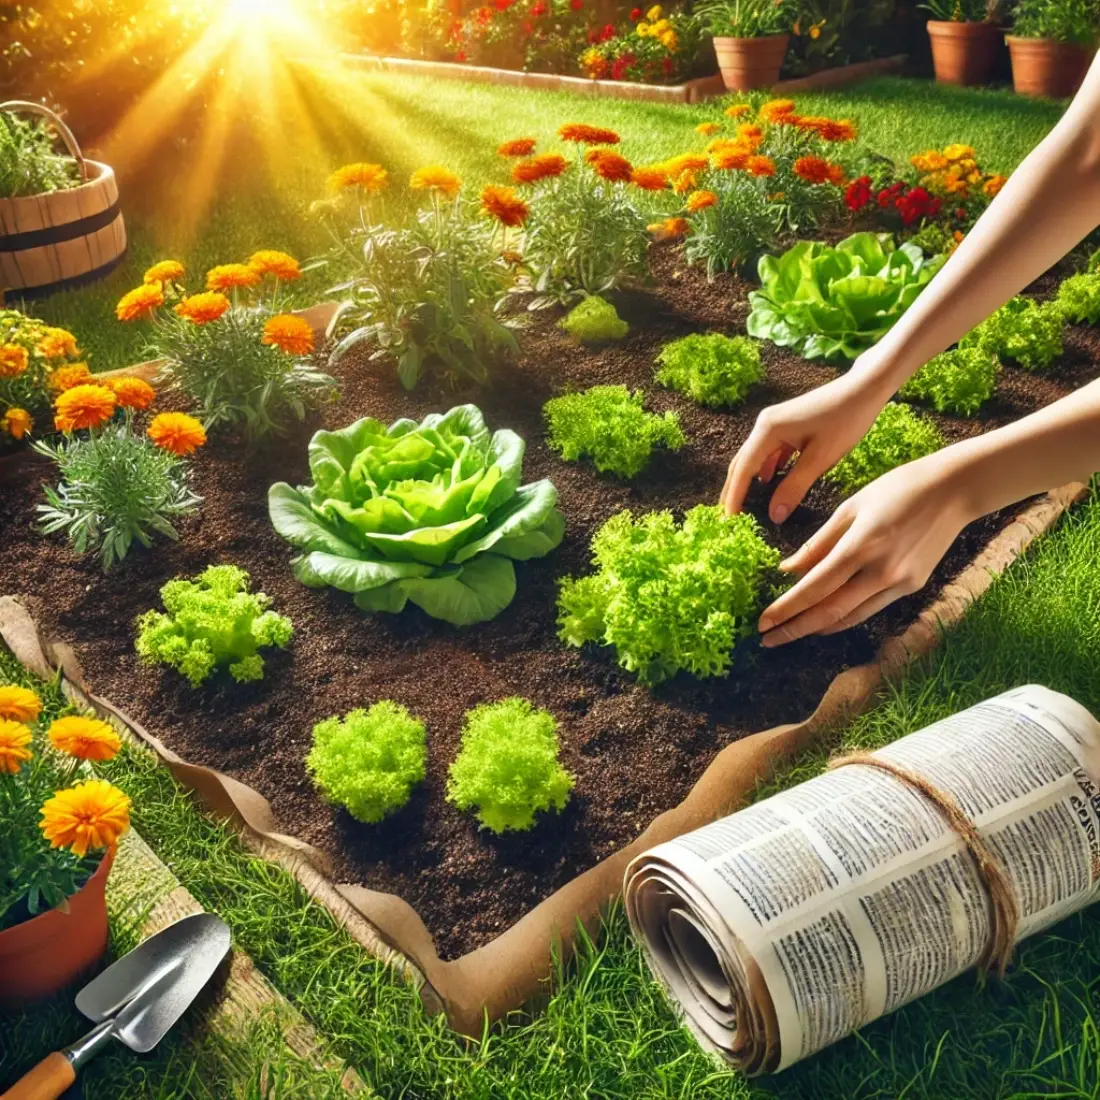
<point x="635" y="752"/>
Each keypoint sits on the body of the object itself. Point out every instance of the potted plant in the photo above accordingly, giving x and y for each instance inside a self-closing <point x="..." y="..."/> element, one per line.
<point x="965" y="37"/>
<point x="61" y="827"/>
<point x="1052" y="45"/>
<point x="750" y="39"/>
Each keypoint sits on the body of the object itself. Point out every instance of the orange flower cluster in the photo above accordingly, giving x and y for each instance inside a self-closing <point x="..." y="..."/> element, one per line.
<point x="13" y="360"/>
<point x="609" y="166"/>
<point x="64" y="378"/>
<point x="818" y="170"/>
<point x="505" y="205"/>
<point x="370" y="177"/>
<point x="583" y="134"/>
<point x="231" y="276"/>
<point x="19" y="704"/>
<point x="517" y="147"/>
<point x="654" y="178"/>
<point x="203" y="308"/>
<point x="700" y="200"/>
<point x="16" y="422"/>
<point x="164" y="271"/>
<point x="57" y="343"/>
<point x="541" y="167"/>
<point x="670" y="228"/>
<point x="437" y="179"/>
<point x="15" y="741"/>
<point x="140" y="302"/>
<point x="289" y="333"/>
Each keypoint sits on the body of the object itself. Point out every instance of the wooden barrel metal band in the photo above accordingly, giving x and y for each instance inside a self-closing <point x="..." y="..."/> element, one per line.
<point x="55" y="234"/>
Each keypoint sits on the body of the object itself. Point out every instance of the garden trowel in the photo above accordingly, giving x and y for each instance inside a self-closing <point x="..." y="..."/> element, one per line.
<point x="135" y="1000"/>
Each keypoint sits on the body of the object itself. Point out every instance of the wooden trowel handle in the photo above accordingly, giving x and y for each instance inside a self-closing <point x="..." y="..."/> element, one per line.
<point x="47" y="1081"/>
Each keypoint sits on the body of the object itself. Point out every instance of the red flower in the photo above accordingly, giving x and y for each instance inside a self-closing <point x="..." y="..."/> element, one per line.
<point x="666" y="65"/>
<point x="915" y="205"/>
<point x="539" y="9"/>
<point x="576" y="5"/>
<point x="621" y="65"/>
<point x="635" y="14"/>
<point x="461" y="55"/>
<point x="858" y="194"/>
<point x="607" y="33"/>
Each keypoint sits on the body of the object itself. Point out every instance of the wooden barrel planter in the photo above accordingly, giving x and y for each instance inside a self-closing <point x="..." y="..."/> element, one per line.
<point x="61" y="239"/>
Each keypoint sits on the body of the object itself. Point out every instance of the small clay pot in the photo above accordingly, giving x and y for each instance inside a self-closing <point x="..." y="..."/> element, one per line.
<point x="1046" y="68"/>
<point x="47" y="952"/>
<point x="963" y="53"/>
<point x="747" y="63"/>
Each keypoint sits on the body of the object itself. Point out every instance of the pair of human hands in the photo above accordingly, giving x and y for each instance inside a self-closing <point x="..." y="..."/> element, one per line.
<point x="881" y="543"/>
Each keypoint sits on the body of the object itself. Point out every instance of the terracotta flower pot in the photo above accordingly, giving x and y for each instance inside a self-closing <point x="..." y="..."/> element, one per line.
<point x="748" y="63"/>
<point x="963" y="53"/>
<point x="47" y="952"/>
<point x="1042" y="67"/>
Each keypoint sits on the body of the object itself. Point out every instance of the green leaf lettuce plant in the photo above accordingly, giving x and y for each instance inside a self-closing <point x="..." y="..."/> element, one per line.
<point x="432" y="513"/>
<point x="897" y="436"/>
<point x="710" y="368"/>
<point x="834" y="303"/>
<point x="958" y="381"/>
<point x="1023" y="331"/>
<point x="595" y="321"/>
<point x="1079" y="299"/>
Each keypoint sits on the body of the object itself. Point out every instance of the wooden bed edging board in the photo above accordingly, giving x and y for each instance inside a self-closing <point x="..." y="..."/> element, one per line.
<point x="513" y="969"/>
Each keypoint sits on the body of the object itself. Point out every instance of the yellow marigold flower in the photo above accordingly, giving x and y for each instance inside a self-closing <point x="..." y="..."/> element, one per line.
<point x="164" y="271"/>
<point x="140" y="302"/>
<point x="16" y="422"/>
<point x="958" y="152"/>
<point x="517" y="147"/>
<point x="588" y="135"/>
<point x="760" y="166"/>
<point x="19" y="704"/>
<point x="659" y="27"/>
<point x="610" y="166"/>
<point x="230" y="276"/>
<point x="652" y="178"/>
<point x="370" y="177"/>
<point x="203" y="308"/>
<point x="724" y="144"/>
<point x="270" y="261"/>
<point x="57" y="343"/>
<point x="176" y="432"/>
<point x="543" y="166"/>
<point x="654" y="13"/>
<point x="993" y="185"/>
<point x="85" y="406"/>
<point x="132" y="393"/>
<point x="738" y="110"/>
<point x="774" y="108"/>
<point x="13" y="360"/>
<point x="670" y="41"/>
<point x="935" y="160"/>
<point x="642" y="29"/>
<point x="85" y="738"/>
<point x="90" y="816"/>
<point x="436" y="178"/>
<point x="505" y="205"/>
<point x="289" y="333"/>
<point x="707" y="129"/>
<point x="14" y="753"/>
<point x="64" y="378"/>
<point x="700" y="200"/>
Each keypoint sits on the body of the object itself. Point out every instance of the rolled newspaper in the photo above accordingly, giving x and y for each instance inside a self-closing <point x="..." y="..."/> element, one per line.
<point x="790" y="924"/>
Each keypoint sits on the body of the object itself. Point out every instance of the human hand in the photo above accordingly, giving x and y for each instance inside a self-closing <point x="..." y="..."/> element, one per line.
<point x="880" y="544"/>
<point x="822" y="426"/>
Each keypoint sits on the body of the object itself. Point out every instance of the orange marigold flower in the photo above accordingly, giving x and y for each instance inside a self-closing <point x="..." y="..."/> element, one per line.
<point x="16" y="422"/>
<point x="85" y="738"/>
<point x="650" y="179"/>
<point x="738" y="110"/>
<point x="685" y="162"/>
<point x="289" y="333"/>
<point x="812" y="169"/>
<point x="13" y="360"/>
<point x="19" y="704"/>
<point x="670" y="228"/>
<point x="89" y="816"/>
<point x="203" y="308"/>
<point x="610" y="166"/>
<point x="434" y="177"/>
<point x="832" y="129"/>
<point x="776" y="108"/>
<point x="707" y="129"/>
<point x="700" y="200"/>
<point x="543" y="166"/>
<point x="836" y="175"/>
<point x="140" y="302"/>
<point x="750" y="133"/>
<point x="517" y="147"/>
<point x="732" y="159"/>
<point x="505" y="205"/>
<point x="270" y="261"/>
<point x="165" y="271"/>
<point x="685" y="182"/>
<point x="85" y="406"/>
<point x="132" y="393"/>
<point x="760" y="166"/>
<point x="57" y="343"/>
<point x="370" y="177"/>
<point x="177" y="432"/>
<point x="588" y="135"/>
<point x="993" y="185"/>
<point x="64" y="378"/>
<point x="14" y="753"/>
<point x="230" y="276"/>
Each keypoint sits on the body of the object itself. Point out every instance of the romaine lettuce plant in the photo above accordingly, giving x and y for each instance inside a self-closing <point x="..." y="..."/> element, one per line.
<point x="897" y="436"/>
<point x="431" y="512"/>
<point x="834" y="303"/>
<point x="1022" y="330"/>
<point x="959" y="381"/>
<point x="710" y="368"/>
<point x="668" y="596"/>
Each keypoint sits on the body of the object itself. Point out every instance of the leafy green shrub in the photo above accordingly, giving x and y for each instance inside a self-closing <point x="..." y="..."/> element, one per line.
<point x="211" y="622"/>
<point x="740" y="225"/>
<point x="667" y="596"/>
<point x="508" y="769"/>
<point x="899" y="435"/>
<point x="830" y="303"/>
<point x="747" y="18"/>
<point x="959" y="381"/>
<point x="610" y="424"/>
<point x="595" y="321"/>
<point x="431" y="512"/>
<point x="29" y="163"/>
<point x="370" y="761"/>
<point x="712" y="369"/>
<point x="1022" y="330"/>
<point x="1057" y="20"/>
<point x="30" y="354"/>
<point x="1079" y="299"/>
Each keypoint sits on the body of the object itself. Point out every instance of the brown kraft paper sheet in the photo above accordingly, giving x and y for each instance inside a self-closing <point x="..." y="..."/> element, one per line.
<point x="514" y="968"/>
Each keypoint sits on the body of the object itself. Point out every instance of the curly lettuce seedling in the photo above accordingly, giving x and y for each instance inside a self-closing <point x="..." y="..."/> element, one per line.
<point x="370" y="761"/>
<point x="212" y="621"/>
<point x="712" y="369"/>
<point x="959" y="381"/>
<point x="1021" y="330"/>
<point x="899" y="435"/>
<point x="668" y="596"/>
<point x="507" y="769"/>
<point x="1079" y="299"/>
<point x="595" y="321"/>
<point x="610" y="424"/>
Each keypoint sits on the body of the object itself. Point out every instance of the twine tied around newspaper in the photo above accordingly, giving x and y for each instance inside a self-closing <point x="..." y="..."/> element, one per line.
<point x="1002" y="897"/>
